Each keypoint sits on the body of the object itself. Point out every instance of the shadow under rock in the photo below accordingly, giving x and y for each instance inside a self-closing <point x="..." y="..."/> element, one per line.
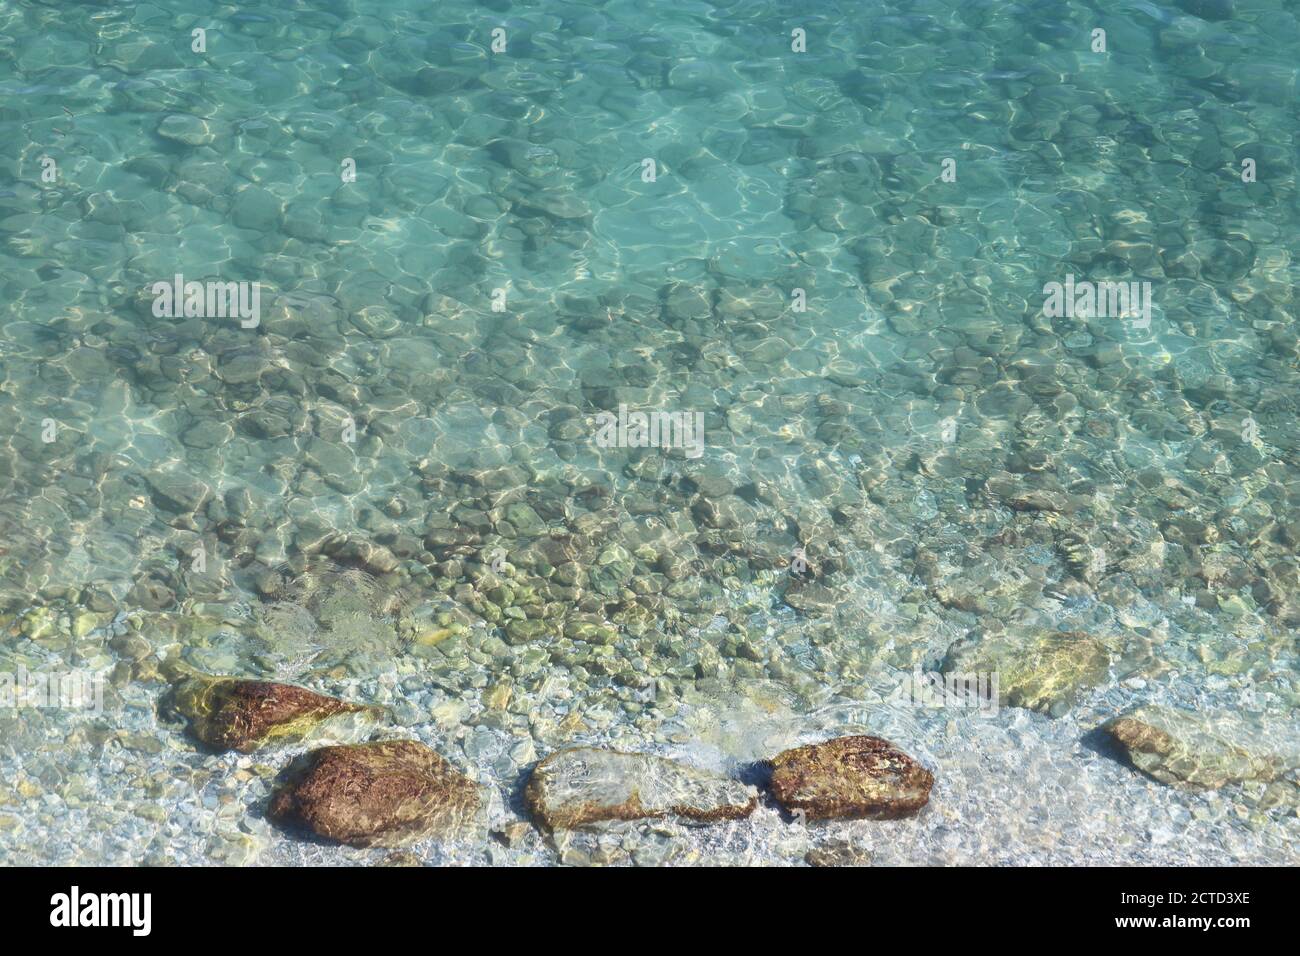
<point x="1103" y="744"/>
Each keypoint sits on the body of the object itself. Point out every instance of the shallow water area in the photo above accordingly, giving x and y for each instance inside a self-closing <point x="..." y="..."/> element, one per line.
<point x="393" y="486"/>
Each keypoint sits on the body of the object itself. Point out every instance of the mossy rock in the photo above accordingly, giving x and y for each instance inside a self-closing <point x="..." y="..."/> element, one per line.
<point x="850" y="778"/>
<point x="1045" y="673"/>
<point x="383" y="793"/>
<point x="527" y="630"/>
<point x="235" y="713"/>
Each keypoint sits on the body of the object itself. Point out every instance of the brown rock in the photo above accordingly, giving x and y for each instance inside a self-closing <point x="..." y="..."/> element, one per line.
<point x="384" y="793"/>
<point x="850" y="778"/>
<point x="232" y="713"/>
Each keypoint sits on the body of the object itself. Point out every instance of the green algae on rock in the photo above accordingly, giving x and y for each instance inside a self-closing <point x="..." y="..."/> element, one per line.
<point x="234" y="713"/>
<point x="1046" y="673"/>
<point x="382" y="793"/>
<point x="849" y="778"/>
<point x="581" y="786"/>
<point x="1204" y="751"/>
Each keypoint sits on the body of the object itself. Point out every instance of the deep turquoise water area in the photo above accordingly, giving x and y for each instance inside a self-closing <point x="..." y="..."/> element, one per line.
<point x="826" y="231"/>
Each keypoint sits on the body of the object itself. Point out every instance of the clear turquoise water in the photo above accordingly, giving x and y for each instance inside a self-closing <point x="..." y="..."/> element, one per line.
<point x="1136" y="484"/>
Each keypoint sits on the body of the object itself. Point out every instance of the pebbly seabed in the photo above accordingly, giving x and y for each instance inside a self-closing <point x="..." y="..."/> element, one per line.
<point x="437" y="453"/>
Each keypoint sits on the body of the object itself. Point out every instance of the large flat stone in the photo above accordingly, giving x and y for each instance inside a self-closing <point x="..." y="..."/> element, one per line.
<point x="1205" y="751"/>
<point x="587" y="785"/>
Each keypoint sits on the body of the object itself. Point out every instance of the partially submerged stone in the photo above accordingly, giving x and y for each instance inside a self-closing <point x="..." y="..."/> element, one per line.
<point x="234" y="713"/>
<point x="1205" y="751"/>
<point x="383" y="793"/>
<point x="587" y="785"/>
<point x="839" y="852"/>
<point x="1045" y="673"/>
<point x="850" y="778"/>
